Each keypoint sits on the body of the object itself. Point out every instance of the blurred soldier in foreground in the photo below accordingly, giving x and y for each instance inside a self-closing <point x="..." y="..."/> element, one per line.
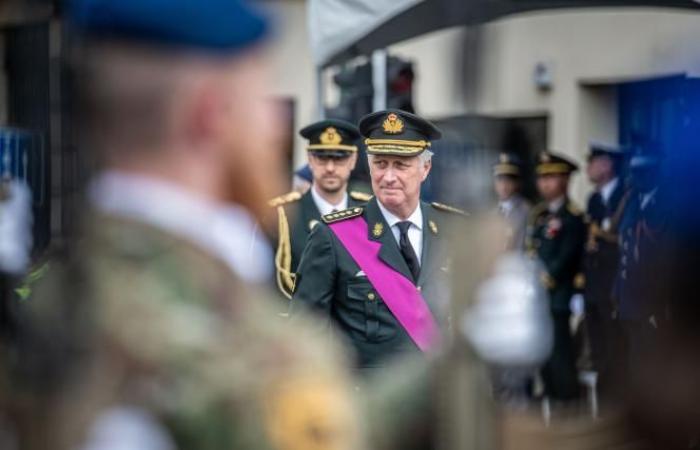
<point x="556" y="236"/>
<point x="642" y="301"/>
<point x="148" y="336"/>
<point x="379" y="272"/>
<point x="511" y="205"/>
<point x="601" y="255"/>
<point x="332" y="153"/>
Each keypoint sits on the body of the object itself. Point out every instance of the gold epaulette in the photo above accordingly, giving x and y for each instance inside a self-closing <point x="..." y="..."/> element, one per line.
<point x="342" y="215"/>
<point x="284" y="199"/>
<point x="573" y="209"/>
<point x="452" y="209"/>
<point x="360" y="196"/>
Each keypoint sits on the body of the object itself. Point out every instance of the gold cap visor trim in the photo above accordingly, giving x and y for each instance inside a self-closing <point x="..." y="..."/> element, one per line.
<point x="316" y="147"/>
<point x="394" y="150"/>
<point x="395" y="147"/>
<point x="553" y="169"/>
<point x="506" y="169"/>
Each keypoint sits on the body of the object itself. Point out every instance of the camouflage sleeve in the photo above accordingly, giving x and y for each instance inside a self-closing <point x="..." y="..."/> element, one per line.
<point x="238" y="379"/>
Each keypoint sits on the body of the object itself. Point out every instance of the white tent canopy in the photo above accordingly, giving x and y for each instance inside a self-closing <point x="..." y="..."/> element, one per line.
<point x="343" y="29"/>
<point x="334" y="25"/>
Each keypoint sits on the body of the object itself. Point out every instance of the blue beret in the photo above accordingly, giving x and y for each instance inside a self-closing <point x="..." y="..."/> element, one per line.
<point x="211" y="25"/>
<point x="305" y="173"/>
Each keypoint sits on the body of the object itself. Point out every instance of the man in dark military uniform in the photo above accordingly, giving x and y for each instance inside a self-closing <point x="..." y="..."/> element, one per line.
<point x="512" y="206"/>
<point x="641" y="274"/>
<point x="378" y="273"/>
<point x="332" y="154"/>
<point x="557" y="234"/>
<point x="601" y="254"/>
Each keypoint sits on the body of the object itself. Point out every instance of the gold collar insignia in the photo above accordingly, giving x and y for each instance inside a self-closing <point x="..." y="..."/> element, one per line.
<point x="433" y="227"/>
<point x="378" y="229"/>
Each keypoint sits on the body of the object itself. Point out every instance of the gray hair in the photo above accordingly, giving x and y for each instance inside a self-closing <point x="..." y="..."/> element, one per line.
<point x="425" y="157"/>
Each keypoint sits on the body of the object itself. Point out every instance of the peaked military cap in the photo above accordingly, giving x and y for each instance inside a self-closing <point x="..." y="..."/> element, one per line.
<point x="602" y="149"/>
<point x="508" y="164"/>
<point x="217" y="26"/>
<point x="331" y="137"/>
<point x="642" y="159"/>
<point x="396" y="132"/>
<point x="549" y="163"/>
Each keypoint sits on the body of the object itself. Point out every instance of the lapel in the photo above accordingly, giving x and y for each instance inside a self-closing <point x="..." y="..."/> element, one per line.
<point x="616" y="197"/>
<point x="309" y="211"/>
<point x="430" y="243"/>
<point x="389" y="251"/>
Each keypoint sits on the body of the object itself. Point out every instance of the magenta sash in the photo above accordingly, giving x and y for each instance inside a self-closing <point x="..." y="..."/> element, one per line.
<point x="400" y="295"/>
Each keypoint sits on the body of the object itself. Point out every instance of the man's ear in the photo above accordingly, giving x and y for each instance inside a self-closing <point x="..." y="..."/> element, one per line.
<point x="353" y="160"/>
<point x="427" y="166"/>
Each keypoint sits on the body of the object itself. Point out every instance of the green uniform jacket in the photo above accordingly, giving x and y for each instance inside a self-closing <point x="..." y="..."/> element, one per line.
<point x="330" y="283"/>
<point x="146" y="318"/>
<point x="297" y="216"/>
<point x="558" y="240"/>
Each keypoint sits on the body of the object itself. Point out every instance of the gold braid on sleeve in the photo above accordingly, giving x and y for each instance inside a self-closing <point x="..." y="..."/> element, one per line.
<point x="283" y="257"/>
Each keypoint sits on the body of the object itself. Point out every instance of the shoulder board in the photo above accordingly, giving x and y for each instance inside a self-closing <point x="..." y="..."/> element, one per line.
<point x="360" y="196"/>
<point x="452" y="209"/>
<point x="574" y="209"/>
<point x="342" y="215"/>
<point x="284" y="199"/>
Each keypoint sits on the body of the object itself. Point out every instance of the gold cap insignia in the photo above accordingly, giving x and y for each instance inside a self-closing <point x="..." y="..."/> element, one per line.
<point x="544" y="157"/>
<point x="504" y="158"/>
<point x="330" y="137"/>
<point x="378" y="229"/>
<point x="393" y="124"/>
<point x="433" y="227"/>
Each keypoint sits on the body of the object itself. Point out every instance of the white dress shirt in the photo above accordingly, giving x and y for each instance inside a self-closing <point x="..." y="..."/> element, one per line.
<point x="555" y="205"/>
<point x="415" y="231"/>
<point x="607" y="190"/>
<point x="324" y="206"/>
<point x="506" y="206"/>
<point x="226" y="231"/>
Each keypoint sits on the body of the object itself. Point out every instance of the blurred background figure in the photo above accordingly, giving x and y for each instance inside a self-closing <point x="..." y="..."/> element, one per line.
<point x="556" y="237"/>
<point x="302" y="179"/>
<point x="642" y="304"/>
<point x="604" y="211"/>
<point x="149" y="332"/>
<point x="512" y="206"/>
<point x="332" y="156"/>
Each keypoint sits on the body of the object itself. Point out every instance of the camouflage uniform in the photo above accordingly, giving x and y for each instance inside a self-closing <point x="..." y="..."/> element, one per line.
<point x="151" y="320"/>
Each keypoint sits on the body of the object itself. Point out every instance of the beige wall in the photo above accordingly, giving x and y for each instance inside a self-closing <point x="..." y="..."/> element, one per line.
<point x="489" y="69"/>
<point x="587" y="50"/>
<point x="293" y="72"/>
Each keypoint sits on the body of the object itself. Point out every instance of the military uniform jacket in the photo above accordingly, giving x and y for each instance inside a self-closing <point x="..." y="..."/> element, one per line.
<point x="330" y="283"/>
<point x="153" y="310"/>
<point x="602" y="251"/>
<point x="639" y="287"/>
<point x="557" y="240"/>
<point x="297" y="216"/>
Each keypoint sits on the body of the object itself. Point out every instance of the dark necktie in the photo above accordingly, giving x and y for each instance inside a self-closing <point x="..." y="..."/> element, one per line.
<point x="407" y="250"/>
